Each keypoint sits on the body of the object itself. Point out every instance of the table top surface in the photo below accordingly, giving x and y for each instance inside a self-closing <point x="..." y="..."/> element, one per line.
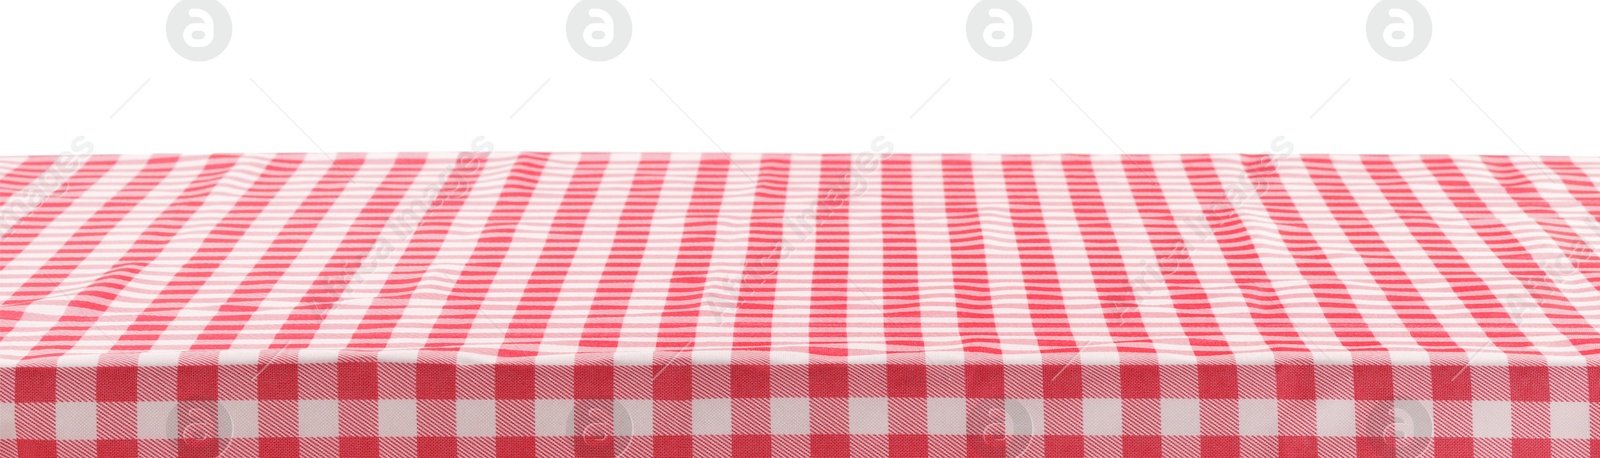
<point x="865" y="255"/>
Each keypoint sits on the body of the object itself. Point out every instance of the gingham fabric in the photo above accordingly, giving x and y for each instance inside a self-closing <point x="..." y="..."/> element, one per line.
<point x="869" y="304"/>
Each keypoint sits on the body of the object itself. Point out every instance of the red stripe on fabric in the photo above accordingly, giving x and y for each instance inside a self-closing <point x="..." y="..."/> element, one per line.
<point x="1176" y="270"/>
<point x="1514" y="255"/>
<point x="22" y="176"/>
<point x="383" y="315"/>
<point x="974" y="308"/>
<point x="89" y="234"/>
<point x="752" y="328"/>
<point x="828" y="320"/>
<point x="360" y="242"/>
<point x="1476" y="295"/>
<point x="289" y="243"/>
<point x="108" y="287"/>
<point x="1106" y="262"/>
<point x="180" y="288"/>
<point x="686" y="294"/>
<point x="1046" y="307"/>
<point x="1582" y="257"/>
<point x="29" y="226"/>
<point x="1334" y="301"/>
<point x="80" y="181"/>
<point x="1244" y="260"/>
<point x="603" y="326"/>
<point x="1576" y="182"/>
<point x="902" y="296"/>
<point x="538" y="300"/>
<point x="467" y="295"/>
<point x="1399" y="288"/>
<point x="344" y="263"/>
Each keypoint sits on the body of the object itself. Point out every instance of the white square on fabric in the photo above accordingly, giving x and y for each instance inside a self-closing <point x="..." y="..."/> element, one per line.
<point x="8" y="422"/>
<point x="75" y="420"/>
<point x="869" y="415"/>
<point x="319" y="418"/>
<point x="1258" y="417"/>
<point x="1336" y="417"/>
<point x="397" y="417"/>
<point x="1491" y="419"/>
<point x="947" y="416"/>
<point x="1569" y="420"/>
<point x="1102" y="417"/>
<point x="475" y="418"/>
<point x="240" y="418"/>
<point x="791" y="416"/>
<point x="632" y="417"/>
<point x="153" y="418"/>
<point x="712" y="416"/>
<point x="1180" y="417"/>
<point x="552" y="417"/>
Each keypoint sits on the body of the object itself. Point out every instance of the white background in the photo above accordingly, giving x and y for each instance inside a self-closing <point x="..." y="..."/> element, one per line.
<point x="821" y="76"/>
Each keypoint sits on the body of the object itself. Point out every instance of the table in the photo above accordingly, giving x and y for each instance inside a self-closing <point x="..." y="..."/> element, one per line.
<point x="871" y="304"/>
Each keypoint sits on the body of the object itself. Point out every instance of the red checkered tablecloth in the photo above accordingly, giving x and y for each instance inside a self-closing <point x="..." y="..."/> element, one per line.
<point x="867" y="304"/>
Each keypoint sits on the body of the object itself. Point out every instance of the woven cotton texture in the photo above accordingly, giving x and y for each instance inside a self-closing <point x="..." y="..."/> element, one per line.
<point x="809" y="305"/>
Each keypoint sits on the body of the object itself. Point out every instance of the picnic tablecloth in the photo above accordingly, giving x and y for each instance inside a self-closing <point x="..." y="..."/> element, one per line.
<point x="871" y="304"/>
